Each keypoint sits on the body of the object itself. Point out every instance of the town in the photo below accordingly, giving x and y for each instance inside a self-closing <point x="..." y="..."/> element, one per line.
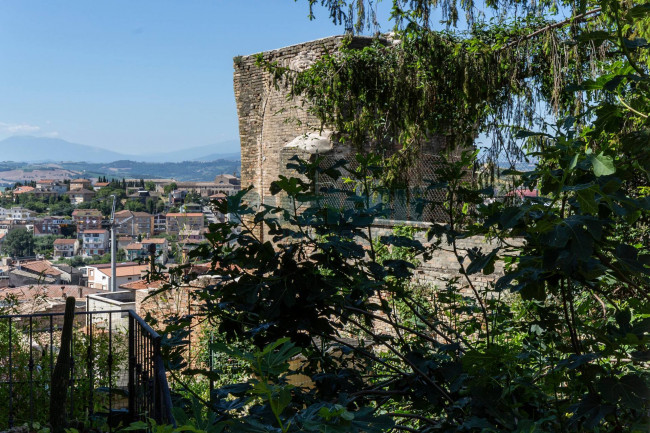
<point x="55" y="235"/>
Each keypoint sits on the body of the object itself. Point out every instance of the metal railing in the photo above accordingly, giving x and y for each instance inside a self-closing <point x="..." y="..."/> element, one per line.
<point x="117" y="374"/>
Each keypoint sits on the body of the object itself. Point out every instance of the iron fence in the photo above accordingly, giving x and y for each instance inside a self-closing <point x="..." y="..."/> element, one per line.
<point x="116" y="377"/>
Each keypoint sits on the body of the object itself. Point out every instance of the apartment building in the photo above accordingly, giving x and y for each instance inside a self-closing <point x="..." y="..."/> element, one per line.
<point x="99" y="276"/>
<point x="65" y="248"/>
<point x="50" y="187"/>
<point x="129" y="223"/>
<point x="80" y="184"/>
<point x="50" y="225"/>
<point x="141" y="250"/>
<point x="78" y="196"/>
<point x="87" y="219"/>
<point x="94" y="242"/>
<point x="184" y="221"/>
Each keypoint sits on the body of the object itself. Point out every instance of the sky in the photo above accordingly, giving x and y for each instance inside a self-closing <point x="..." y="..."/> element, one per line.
<point x="136" y="76"/>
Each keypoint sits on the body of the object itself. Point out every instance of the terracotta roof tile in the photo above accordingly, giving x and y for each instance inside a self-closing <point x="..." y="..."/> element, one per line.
<point x="125" y="271"/>
<point x="41" y="267"/>
<point x="144" y="284"/>
<point x="64" y="241"/>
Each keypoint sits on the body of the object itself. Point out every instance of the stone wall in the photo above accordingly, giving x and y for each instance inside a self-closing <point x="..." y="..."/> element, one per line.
<point x="443" y="265"/>
<point x="267" y="119"/>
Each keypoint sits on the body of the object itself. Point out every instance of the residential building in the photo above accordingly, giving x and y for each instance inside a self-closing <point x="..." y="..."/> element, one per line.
<point x="177" y="197"/>
<point x="6" y="226"/>
<point x="86" y="219"/>
<point x="80" y="184"/>
<point x="16" y="213"/>
<point x="50" y="187"/>
<point x="191" y="208"/>
<point x="191" y="236"/>
<point x="78" y="196"/>
<point x="134" y="223"/>
<point x="34" y="272"/>
<point x="184" y="221"/>
<point x="228" y="183"/>
<point x="65" y="248"/>
<point x="142" y="195"/>
<point x="23" y="190"/>
<point x="99" y="276"/>
<point x="224" y="183"/>
<point x="99" y="185"/>
<point x="50" y="225"/>
<point x="9" y="225"/>
<point x="123" y="241"/>
<point x="159" y="223"/>
<point x="94" y="242"/>
<point x="160" y="184"/>
<point x="141" y="250"/>
<point x="70" y="275"/>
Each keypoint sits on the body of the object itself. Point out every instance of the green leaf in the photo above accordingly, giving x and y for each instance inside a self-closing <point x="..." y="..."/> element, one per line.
<point x="630" y="390"/>
<point x="587" y="201"/>
<point x="602" y="165"/>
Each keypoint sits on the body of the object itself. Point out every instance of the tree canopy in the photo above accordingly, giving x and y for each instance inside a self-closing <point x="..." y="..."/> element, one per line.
<point x="558" y="342"/>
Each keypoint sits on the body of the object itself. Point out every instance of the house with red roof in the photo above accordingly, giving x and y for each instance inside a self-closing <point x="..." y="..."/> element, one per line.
<point x="64" y="248"/>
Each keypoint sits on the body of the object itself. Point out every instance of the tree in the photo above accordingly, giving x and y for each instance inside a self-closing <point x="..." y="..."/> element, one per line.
<point x="19" y="243"/>
<point x="150" y="186"/>
<point x="135" y="206"/>
<point x="558" y="344"/>
<point x="169" y="188"/>
<point x="44" y="244"/>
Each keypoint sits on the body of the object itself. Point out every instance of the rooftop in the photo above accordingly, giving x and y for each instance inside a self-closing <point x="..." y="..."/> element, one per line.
<point x="64" y="241"/>
<point x="86" y="212"/>
<point x="144" y="284"/>
<point x="82" y="191"/>
<point x="125" y="271"/>
<point x="94" y="231"/>
<point x="40" y="267"/>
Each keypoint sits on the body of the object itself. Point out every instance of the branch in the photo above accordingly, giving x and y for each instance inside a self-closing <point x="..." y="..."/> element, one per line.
<point x="645" y="116"/>
<point x="573" y="19"/>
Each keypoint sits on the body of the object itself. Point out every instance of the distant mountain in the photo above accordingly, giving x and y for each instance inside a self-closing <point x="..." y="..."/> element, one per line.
<point x="216" y="156"/>
<point x="42" y="149"/>
<point x="222" y="150"/>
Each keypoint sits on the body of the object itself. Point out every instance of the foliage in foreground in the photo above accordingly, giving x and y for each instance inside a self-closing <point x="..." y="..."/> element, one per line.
<point x="337" y="336"/>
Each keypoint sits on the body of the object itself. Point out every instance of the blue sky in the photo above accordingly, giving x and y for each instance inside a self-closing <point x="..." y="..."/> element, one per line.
<point x="136" y="76"/>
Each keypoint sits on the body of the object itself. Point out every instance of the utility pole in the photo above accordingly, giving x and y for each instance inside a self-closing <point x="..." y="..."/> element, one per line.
<point x="113" y="270"/>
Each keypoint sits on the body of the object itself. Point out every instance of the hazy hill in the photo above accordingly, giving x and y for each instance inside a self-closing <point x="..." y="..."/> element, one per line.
<point x="42" y="149"/>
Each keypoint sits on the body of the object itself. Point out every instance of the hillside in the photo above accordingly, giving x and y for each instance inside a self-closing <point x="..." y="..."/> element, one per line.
<point x="42" y="149"/>
<point x="10" y="173"/>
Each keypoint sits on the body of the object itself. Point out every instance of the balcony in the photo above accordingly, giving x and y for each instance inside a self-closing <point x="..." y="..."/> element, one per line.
<point x="117" y="375"/>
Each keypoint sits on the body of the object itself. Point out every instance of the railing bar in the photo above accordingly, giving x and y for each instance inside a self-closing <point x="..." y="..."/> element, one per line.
<point x="71" y="377"/>
<point x="211" y="366"/>
<point x="131" y="372"/>
<point x="91" y="384"/>
<point x="51" y="347"/>
<point x="11" y="376"/>
<point x="143" y="324"/>
<point x="31" y="375"/>
<point x="148" y="388"/>
<point x="110" y="369"/>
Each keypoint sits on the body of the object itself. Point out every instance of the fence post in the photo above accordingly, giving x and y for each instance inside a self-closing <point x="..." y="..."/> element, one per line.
<point x="131" y="386"/>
